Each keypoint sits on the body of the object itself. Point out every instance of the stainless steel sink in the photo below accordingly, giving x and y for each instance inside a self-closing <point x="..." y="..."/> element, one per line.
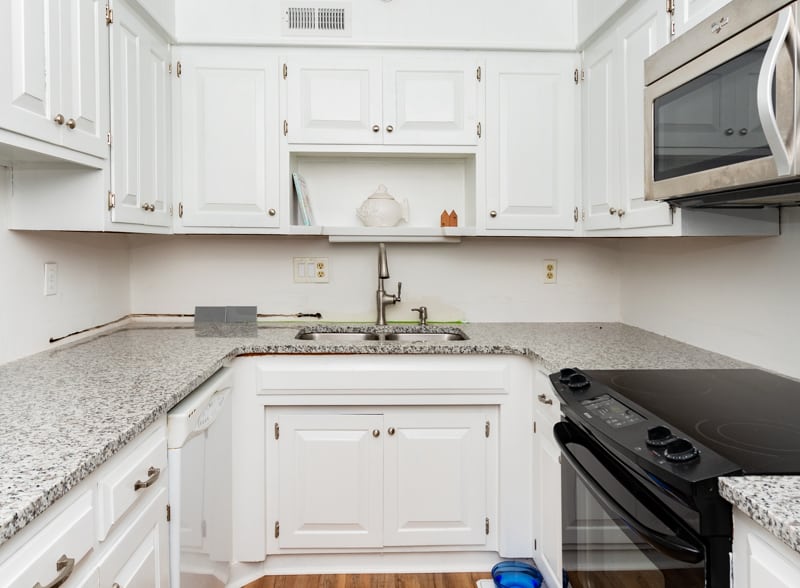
<point x="426" y="337"/>
<point x="337" y="336"/>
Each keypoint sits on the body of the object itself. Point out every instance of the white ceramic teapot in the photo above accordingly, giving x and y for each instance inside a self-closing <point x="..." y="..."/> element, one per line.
<point x="382" y="210"/>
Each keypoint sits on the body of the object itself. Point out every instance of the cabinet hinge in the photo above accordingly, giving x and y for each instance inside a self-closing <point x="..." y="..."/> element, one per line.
<point x="178" y="69"/>
<point x="487" y="525"/>
<point x="277" y="529"/>
<point x="170" y="209"/>
<point x="578" y="75"/>
<point x="487" y="429"/>
<point x="112" y="200"/>
<point x="203" y="529"/>
<point x="535" y="545"/>
<point x="534" y="427"/>
<point x="575" y="214"/>
<point x="109" y="14"/>
<point x="478" y="73"/>
<point x="169" y="513"/>
<point x="277" y="431"/>
<point x="169" y="68"/>
<point x="285" y="128"/>
<point x="480" y="130"/>
<point x="670" y="6"/>
<point x="285" y="71"/>
<point x="583" y="214"/>
<point x="108" y="138"/>
<point x="180" y="209"/>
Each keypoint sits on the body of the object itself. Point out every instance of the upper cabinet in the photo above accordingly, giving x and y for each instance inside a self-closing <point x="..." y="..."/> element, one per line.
<point x="532" y="106"/>
<point x="392" y="100"/>
<point x="54" y="67"/>
<point x="228" y="140"/>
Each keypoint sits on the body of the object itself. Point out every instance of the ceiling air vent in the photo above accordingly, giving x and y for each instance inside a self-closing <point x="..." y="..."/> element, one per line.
<point x="316" y="19"/>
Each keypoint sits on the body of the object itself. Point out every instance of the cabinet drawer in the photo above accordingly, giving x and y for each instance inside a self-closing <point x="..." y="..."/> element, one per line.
<point x="129" y="480"/>
<point x="56" y="549"/>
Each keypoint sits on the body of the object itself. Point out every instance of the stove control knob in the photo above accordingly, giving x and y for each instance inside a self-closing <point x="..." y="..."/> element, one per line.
<point x="680" y="450"/>
<point x="578" y="382"/>
<point x="565" y="374"/>
<point x="659" y="436"/>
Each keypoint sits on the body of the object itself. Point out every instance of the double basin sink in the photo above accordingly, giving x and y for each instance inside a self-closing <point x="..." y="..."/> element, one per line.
<point x="407" y="334"/>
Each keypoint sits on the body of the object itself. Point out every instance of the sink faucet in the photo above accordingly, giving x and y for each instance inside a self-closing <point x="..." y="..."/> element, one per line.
<point x="381" y="297"/>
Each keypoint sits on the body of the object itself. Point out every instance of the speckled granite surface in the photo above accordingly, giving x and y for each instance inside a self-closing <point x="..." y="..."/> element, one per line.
<point x="66" y="411"/>
<point x="771" y="501"/>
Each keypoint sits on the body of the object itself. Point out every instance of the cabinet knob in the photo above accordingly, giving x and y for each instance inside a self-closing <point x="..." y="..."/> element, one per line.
<point x="272" y="212"/>
<point x="729" y="132"/>
<point x="389" y="128"/>
<point x="612" y="211"/>
<point x="743" y="132"/>
<point x="376" y="432"/>
<point x="71" y="123"/>
<point x="149" y="207"/>
<point x="391" y="431"/>
<point x="492" y="213"/>
<point x="376" y="128"/>
<point x="620" y="213"/>
<point x="59" y="119"/>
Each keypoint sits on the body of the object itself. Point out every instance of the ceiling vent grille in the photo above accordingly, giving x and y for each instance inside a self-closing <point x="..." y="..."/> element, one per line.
<point x="316" y="19"/>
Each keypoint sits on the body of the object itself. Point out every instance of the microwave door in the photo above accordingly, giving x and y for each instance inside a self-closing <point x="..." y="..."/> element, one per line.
<point x="725" y="119"/>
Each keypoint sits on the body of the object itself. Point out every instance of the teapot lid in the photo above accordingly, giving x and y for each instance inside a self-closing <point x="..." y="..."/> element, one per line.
<point x="381" y="192"/>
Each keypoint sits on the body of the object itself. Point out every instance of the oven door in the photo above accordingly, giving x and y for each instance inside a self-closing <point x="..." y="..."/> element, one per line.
<point x="615" y="531"/>
<point x="726" y="118"/>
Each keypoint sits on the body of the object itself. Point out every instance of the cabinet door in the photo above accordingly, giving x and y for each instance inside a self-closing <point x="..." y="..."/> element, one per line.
<point x="761" y="559"/>
<point x="639" y="35"/>
<point x="548" y="508"/>
<point x="532" y="109"/>
<point x="334" y="100"/>
<point x="430" y="101"/>
<point x="690" y="12"/>
<point x="331" y="477"/>
<point x="229" y="138"/>
<point x="84" y="75"/>
<point x="435" y="477"/>
<point x="140" y="153"/>
<point x="140" y="557"/>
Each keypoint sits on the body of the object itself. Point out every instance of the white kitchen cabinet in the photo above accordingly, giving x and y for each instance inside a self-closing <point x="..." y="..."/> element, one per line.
<point x="383" y="454"/>
<point x="228" y="140"/>
<point x="532" y="105"/>
<point x="352" y="98"/>
<point x="690" y="12"/>
<point x="405" y="477"/>
<point x="547" y="477"/>
<point x="613" y="122"/>
<point x="760" y="558"/>
<point x="140" y="106"/>
<point x="54" y="64"/>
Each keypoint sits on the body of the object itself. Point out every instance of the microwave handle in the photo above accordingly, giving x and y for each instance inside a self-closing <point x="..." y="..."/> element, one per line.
<point x="785" y="31"/>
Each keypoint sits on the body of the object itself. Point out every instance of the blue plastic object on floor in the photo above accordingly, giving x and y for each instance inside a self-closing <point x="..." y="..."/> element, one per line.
<point x="516" y="574"/>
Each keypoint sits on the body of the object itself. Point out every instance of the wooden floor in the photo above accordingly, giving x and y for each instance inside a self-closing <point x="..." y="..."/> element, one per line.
<point x="460" y="580"/>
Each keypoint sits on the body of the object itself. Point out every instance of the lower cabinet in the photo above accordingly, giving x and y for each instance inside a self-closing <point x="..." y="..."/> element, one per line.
<point x="402" y="477"/>
<point x="760" y="558"/>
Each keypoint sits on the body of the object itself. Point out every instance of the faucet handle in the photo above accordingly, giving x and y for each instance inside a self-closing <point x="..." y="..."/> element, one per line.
<point x="399" y="287"/>
<point x="423" y="314"/>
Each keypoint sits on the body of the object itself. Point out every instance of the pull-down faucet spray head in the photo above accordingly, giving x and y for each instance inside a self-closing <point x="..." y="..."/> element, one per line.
<point x="383" y="264"/>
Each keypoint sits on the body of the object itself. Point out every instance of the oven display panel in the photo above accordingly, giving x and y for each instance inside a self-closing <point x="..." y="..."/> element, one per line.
<point x="611" y="411"/>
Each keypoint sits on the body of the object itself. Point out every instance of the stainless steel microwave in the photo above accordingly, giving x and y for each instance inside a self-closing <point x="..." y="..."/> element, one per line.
<point x="721" y="110"/>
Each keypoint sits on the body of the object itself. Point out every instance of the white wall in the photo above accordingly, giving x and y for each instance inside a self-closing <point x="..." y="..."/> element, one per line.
<point x="476" y="280"/>
<point x="93" y="283"/>
<point x="739" y="297"/>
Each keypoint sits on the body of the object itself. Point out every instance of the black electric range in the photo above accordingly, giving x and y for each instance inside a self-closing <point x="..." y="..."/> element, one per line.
<point x="656" y="442"/>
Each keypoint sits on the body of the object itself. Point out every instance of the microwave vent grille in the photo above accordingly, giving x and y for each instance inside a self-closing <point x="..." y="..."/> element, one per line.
<point x="316" y="19"/>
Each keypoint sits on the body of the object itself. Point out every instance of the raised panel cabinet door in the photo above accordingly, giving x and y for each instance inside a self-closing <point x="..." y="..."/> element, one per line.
<point x="229" y="138"/>
<point x="435" y="477"/>
<point x="548" y="509"/>
<point x="29" y="67"/>
<point x="430" y="101"/>
<point x="334" y="100"/>
<point x="760" y="558"/>
<point x="140" y="557"/>
<point x="601" y="156"/>
<point x="84" y="75"/>
<point x="140" y="152"/>
<point x="532" y="114"/>
<point x="331" y="479"/>
<point x="640" y="34"/>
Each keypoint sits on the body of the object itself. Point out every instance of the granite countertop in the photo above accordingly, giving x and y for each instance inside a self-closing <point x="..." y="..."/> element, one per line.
<point x="67" y="410"/>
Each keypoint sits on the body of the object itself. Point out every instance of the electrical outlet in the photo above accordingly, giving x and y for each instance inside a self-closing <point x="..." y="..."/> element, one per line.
<point x="550" y="271"/>
<point x="310" y="270"/>
<point x="50" y="279"/>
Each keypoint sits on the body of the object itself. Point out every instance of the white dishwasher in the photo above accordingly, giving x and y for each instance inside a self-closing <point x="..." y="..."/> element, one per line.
<point x="199" y="455"/>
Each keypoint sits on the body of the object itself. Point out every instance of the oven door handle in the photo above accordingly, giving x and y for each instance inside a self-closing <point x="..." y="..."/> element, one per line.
<point x="679" y="546"/>
<point x="785" y="32"/>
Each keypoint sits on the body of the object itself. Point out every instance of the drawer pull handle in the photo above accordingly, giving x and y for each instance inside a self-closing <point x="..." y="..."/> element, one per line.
<point x="153" y="472"/>
<point x="544" y="399"/>
<point x="64" y="567"/>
